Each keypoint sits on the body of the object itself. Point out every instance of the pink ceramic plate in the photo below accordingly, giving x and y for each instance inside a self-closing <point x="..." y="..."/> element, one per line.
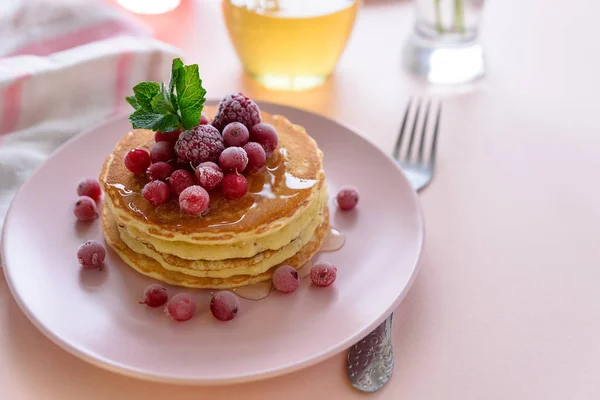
<point x="96" y="315"/>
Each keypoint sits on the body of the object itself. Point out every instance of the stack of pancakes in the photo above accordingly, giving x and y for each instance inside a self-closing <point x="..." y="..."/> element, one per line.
<point x="281" y="220"/>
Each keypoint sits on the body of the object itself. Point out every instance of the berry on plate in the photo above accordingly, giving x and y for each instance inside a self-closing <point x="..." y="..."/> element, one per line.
<point x="91" y="254"/>
<point x="170" y="137"/>
<point x="159" y="171"/>
<point x="162" y="151"/>
<point x="347" y="198"/>
<point x="90" y="187"/>
<point x="224" y="305"/>
<point x="181" y="307"/>
<point x="286" y="279"/>
<point x="85" y="209"/>
<point x="323" y="273"/>
<point x="155" y="295"/>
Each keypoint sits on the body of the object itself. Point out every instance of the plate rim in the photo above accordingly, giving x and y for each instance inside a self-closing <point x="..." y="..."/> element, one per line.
<point x="118" y="368"/>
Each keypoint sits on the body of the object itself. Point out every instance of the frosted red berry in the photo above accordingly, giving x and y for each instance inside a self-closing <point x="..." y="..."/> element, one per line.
<point x="91" y="254"/>
<point x="170" y="137"/>
<point x="323" y="273"/>
<point x="234" y="185"/>
<point x="256" y="156"/>
<point x="137" y="160"/>
<point x="155" y="295"/>
<point x="286" y="279"/>
<point x="159" y="171"/>
<point x="156" y="192"/>
<point x="347" y="198"/>
<point x="180" y="180"/>
<point x="266" y="136"/>
<point x="85" y="209"/>
<point x="199" y="144"/>
<point x="224" y="305"/>
<point x="209" y="177"/>
<point x="236" y="107"/>
<point x="90" y="187"/>
<point x="209" y="164"/>
<point x="194" y="200"/>
<point x="235" y="134"/>
<point x="233" y="159"/>
<point x="181" y="307"/>
<point x="162" y="151"/>
<point x="203" y="119"/>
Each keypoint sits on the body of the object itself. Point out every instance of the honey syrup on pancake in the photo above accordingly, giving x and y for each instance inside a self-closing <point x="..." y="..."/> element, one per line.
<point x="260" y="191"/>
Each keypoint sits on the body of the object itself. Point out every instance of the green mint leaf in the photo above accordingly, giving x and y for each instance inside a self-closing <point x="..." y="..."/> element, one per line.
<point x="131" y="100"/>
<point x="190" y="95"/>
<point x="177" y="64"/>
<point x="141" y="119"/>
<point x="144" y="92"/>
<point x="161" y="103"/>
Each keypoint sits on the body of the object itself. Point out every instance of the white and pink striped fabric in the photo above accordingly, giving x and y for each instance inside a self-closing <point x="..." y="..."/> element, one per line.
<point x="64" y="66"/>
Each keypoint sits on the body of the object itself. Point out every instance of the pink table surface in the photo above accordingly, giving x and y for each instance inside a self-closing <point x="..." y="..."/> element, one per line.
<point x="507" y="304"/>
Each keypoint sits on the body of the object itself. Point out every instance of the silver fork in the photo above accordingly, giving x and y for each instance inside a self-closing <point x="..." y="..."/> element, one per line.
<point x="371" y="361"/>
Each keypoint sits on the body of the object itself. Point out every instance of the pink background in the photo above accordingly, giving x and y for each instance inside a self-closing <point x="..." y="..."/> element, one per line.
<point x="506" y="304"/>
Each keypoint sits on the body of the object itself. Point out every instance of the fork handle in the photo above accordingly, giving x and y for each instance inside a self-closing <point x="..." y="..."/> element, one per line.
<point x="371" y="361"/>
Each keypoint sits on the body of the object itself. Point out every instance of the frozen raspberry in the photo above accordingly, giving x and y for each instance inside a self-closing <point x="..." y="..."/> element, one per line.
<point x="285" y="279"/>
<point x="156" y="192"/>
<point x="159" y="171"/>
<point x="234" y="185"/>
<point x="347" y="198"/>
<point x="203" y="120"/>
<point x="256" y="156"/>
<point x="199" y="144"/>
<point x="162" y="151"/>
<point x="266" y="136"/>
<point x="91" y="254"/>
<point x="89" y="187"/>
<point x="323" y="273"/>
<point x="209" y="164"/>
<point x="236" y="134"/>
<point x="224" y="305"/>
<point x="209" y="177"/>
<point x="181" y="307"/>
<point x="236" y="107"/>
<point x="85" y="209"/>
<point x="170" y="137"/>
<point x="137" y="160"/>
<point x="180" y="180"/>
<point x="194" y="200"/>
<point x="233" y="159"/>
<point x="155" y="295"/>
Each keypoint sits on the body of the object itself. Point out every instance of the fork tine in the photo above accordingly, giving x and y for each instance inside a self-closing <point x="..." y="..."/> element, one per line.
<point x="396" y="153"/>
<point x="412" y="133"/>
<point x="423" y="134"/>
<point x="435" y="135"/>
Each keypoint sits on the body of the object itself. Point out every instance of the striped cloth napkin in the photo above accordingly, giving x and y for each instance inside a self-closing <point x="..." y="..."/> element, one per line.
<point x="64" y="67"/>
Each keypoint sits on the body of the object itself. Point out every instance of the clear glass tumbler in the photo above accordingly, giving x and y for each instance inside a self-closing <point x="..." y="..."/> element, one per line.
<point x="289" y="44"/>
<point x="443" y="47"/>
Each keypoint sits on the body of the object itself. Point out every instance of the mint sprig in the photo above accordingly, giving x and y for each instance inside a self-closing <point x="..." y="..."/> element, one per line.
<point x="159" y="107"/>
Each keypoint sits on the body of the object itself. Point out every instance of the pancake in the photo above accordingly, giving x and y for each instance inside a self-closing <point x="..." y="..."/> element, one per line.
<point x="255" y="265"/>
<point x="279" y="195"/>
<point x="242" y="249"/>
<point x="150" y="267"/>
